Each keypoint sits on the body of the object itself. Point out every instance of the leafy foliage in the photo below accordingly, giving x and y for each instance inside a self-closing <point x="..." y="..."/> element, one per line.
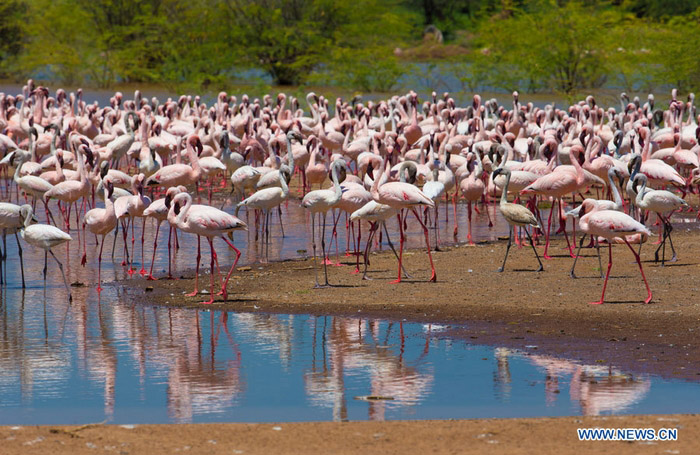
<point x="369" y="45"/>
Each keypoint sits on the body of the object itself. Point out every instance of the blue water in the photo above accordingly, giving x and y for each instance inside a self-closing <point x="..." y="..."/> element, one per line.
<point x="125" y="363"/>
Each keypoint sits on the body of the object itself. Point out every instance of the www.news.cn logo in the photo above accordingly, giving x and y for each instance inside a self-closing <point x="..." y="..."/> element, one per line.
<point x="627" y="434"/>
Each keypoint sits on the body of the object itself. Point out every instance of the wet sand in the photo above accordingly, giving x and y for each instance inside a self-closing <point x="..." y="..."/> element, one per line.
<point x="518" y="308"/>
<point x="492" y="436"/>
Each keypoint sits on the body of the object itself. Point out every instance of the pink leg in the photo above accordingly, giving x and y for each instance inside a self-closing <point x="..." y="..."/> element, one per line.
<point x="607" y="275"/>
<point x="454" y="211"/>
<point x="433" y="276"/>
<point x="133" y="241"/>
<point x="238" y="256"/>
<point x="470" y="240"/>
<point x="357" y="253"/>
<point x="143" y="272"/>
<point x="549" y="226"/>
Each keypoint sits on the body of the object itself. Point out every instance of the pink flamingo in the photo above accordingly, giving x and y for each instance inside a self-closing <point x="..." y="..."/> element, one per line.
<point x="101" y="222"/>
<point x="400" y="196"/>
<point x="472" y="188"/>
<point x="557" y="185"/>
<point x="319" y="202"/>
<point x="210" y="222"/>
<point x="131" y="207"/>
<point x="159" y="209"/>
<point x="180" y="173"/>
<point x="611" y="225"/>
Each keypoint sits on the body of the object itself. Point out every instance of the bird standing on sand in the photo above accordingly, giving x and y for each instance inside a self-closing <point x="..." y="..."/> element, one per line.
<point x="611" y="224"/>
<point x="516" y="215"/>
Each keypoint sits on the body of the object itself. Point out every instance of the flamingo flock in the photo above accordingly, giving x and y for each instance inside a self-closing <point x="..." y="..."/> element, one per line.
<point x="158" y="160"/>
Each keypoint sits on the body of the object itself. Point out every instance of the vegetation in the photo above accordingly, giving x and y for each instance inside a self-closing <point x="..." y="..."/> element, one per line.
<point x="365" y="45"/>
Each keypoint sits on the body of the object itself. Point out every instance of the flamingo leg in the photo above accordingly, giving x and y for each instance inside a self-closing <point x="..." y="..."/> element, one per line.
<point x="454" y="212"/>
<point x="196" y="274"/>
<point x="549" y="226"/>
<point x="83" y="260"/>
<point x="211" y="274"/>
<point x="433" y="275"/>
<point x="607" y="275"/>
<point x="571" y="272"/>
<point x="510" y="241"/>
<point x="170" y="233"/>
<point x="114" y="242"/>
<point x="65" y="282"/>
<point x="313" y="246"/>
<point x="155" y="247"/>
<point x="133" y="240"/>
<point x="99" y="266"/>
<point x="532" y="244"/>
<point x="391" y="245"/>
<point x="373" y="229"/>
<point x="639" y="263"/>
<point x="323" y="248"/>
<point x="357" y="246"/>
<point x="469" y="219"/>
<point x="401" y="242"/>
<point x="21" y="261"/>
<point x="435" y="225"/>
<point x="143" y="272"/>
<point x="228" y="276"/>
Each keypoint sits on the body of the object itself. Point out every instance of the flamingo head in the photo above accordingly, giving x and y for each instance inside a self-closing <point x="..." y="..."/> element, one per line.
<point x="25" y="211"/>
<point x="110" y="189"/>
<point x="588" y="206"/>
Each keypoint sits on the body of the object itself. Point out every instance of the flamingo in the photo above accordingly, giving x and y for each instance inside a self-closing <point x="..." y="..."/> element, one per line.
<point x="44" y="236"/>
<point x="11" y="220"/>
<point x="133" y="206"/>
<point x="180" y="173"/>
<point x="267" y="199"/>
<point x="434" y="189"/>
<point x="516" y="215"/>
<point x="400" y="195"/>
<point x="101" y="221"/>
<point x="659" y="201"/>
<point x="159" y="209"/>
<point x="603" y="204"/>
<point x="612" y="224"/>
<point x="472" y="188"/>
<point x="70" y="191"/>
<point x="210" y="222"/>
<point x="556" y="185"/>
<point x="320" y="202"/>
<point x="377" y="214"/>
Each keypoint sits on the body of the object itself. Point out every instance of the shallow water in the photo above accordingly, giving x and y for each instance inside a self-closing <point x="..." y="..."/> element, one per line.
<point x="124" y="363"/>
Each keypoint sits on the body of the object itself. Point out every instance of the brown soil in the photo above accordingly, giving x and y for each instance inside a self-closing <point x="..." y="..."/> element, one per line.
<point x="516" y="308"/>
<point x="492" y="436"/>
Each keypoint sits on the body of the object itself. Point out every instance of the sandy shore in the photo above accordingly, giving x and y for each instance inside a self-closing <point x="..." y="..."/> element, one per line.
<point x="492" y="436"/>
<point x="516" y="308"/>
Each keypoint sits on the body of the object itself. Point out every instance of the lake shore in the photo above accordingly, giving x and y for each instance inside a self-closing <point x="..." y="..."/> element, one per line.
<point x="477" y="436"/>
<point x="519" y="308"/>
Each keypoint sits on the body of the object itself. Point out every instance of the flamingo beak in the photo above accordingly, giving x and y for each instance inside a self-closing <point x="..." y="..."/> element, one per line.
<point x="177" y="208"/>
<point x="168" y="200"/>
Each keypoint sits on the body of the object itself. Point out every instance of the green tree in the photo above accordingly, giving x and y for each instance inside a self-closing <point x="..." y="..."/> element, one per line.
<point x="13" y="14"/>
